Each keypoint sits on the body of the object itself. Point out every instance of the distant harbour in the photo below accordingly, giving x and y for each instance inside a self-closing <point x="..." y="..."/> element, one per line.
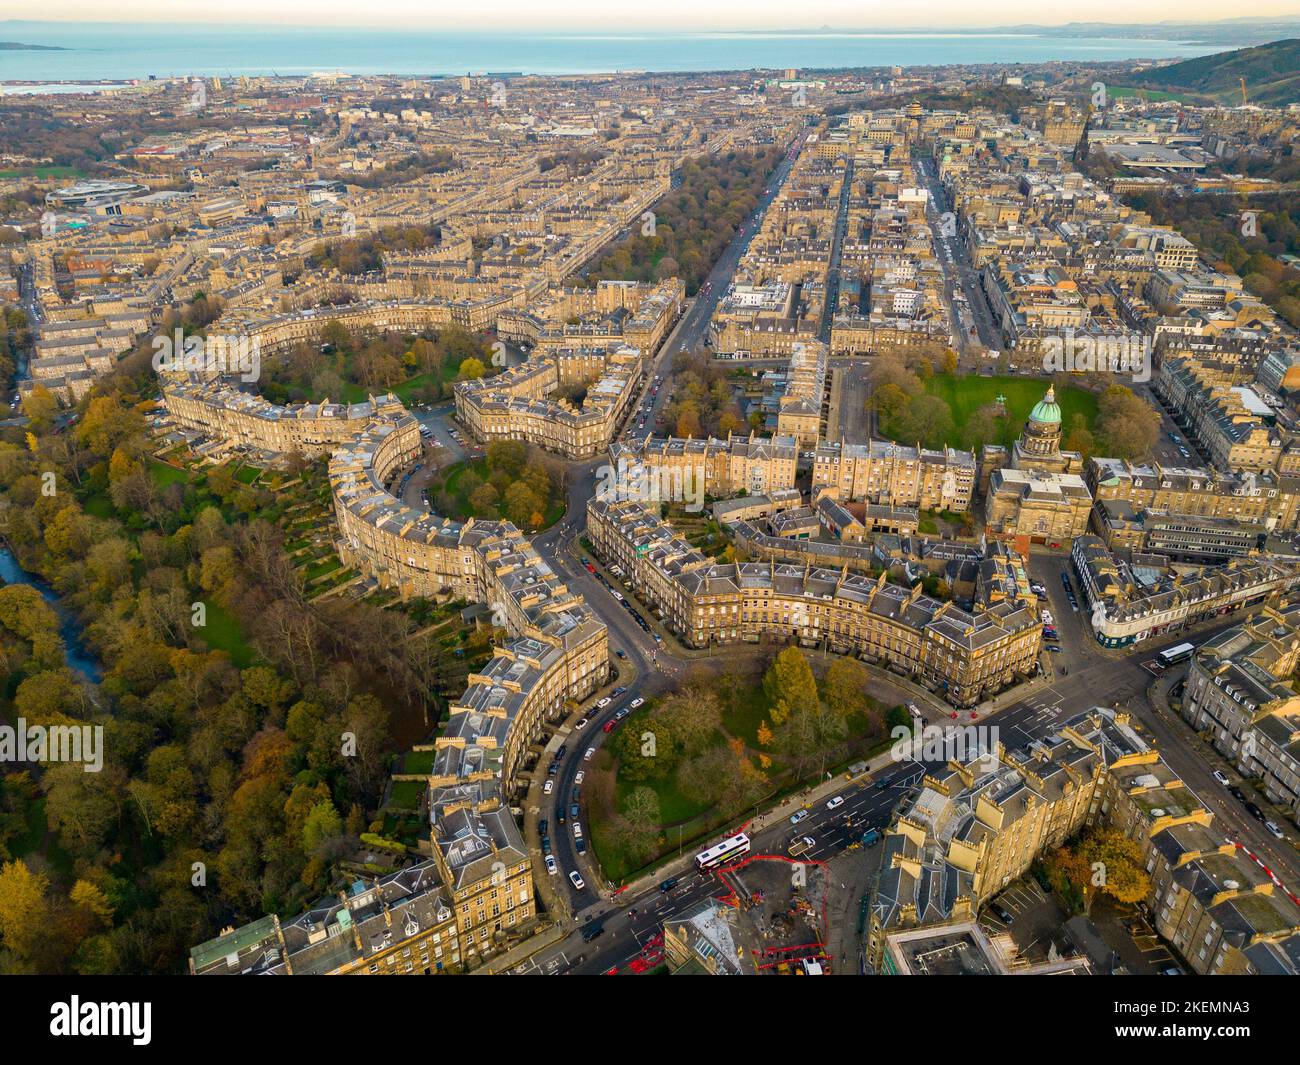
<point x="104" y="52"/>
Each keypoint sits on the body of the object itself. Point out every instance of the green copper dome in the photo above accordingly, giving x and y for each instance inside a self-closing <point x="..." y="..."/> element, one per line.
<point x="1047" y="409"/>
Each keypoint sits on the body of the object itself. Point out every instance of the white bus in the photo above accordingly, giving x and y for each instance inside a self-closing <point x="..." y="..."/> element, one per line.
<point x="1173" y="655"/>
<point x="725" y="851"/>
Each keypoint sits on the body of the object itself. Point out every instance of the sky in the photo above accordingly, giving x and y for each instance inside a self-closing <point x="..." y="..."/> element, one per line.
<point x="661" y="15"/>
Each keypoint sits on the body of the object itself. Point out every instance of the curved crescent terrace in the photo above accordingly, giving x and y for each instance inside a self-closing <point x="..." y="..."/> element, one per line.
<point x="557" y="648"/>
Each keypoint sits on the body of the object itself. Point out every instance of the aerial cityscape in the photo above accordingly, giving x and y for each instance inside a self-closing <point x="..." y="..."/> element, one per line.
<point x="736" y="499"/>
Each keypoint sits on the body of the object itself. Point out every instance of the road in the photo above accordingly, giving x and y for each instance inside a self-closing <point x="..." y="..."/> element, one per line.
<point x="958" y="271"/>
<point x="693" y="329"/>
<point x="1083" y="676"/>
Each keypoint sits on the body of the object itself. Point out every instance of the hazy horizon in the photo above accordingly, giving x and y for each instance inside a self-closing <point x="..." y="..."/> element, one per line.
<point x="670" y="16"/>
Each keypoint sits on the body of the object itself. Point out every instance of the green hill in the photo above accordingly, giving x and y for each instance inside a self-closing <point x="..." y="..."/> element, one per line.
<point x="1272" y="73"/>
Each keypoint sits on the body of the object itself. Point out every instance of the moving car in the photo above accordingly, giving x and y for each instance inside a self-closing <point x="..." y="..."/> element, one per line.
<point x="1272" y="827"/>
<point x="835" y="802"/>
<point x="576" y="880"/>
<point x="798" y="816"/>
<point x="1221" y="777"/>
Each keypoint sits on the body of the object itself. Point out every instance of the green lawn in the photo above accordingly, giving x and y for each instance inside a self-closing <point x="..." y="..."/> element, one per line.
<point x="966" y="394"/>
<point x="223" y="633"/>
<point x="1118" y="92"/>
<point x="406" y="794"/>
<point x="44" y="172"/>
<point x="163" y="474"/>
<point x="353" y="393"/>
<point x="418" y="761"/>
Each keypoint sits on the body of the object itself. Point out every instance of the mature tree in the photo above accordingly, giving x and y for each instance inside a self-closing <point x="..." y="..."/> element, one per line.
<point x="24" y="909"/>
<point x="789" y="685"/>
<point x="471" y="369"/>
<point x="1127" y="427"/>
<point x="694" y="715"/>
<point x="845" y="687"/>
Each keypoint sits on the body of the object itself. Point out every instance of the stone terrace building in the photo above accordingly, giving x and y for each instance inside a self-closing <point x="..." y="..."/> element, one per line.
<point x="896" y="475"/>
<point x="1238" y="692"/>
<point x="966" y="656"/>
<point x="753" y="464"/>
<point x="1131" y="601"/>
<point x="517" y="404"/>
<point x="556" y="651"/>
<point x="980" y="822"/>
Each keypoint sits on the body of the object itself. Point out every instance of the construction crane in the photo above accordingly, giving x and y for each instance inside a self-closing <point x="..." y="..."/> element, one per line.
<point x="1243" y="92"/>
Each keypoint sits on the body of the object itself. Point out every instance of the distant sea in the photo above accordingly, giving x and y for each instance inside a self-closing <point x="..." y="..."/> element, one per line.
<point x="102" y="51"/>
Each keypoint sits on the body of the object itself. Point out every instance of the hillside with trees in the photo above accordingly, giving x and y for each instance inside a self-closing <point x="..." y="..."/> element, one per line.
<point x="1271" y="72"/>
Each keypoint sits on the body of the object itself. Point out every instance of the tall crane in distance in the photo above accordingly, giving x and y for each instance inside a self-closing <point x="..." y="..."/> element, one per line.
<point x="1243" y="92"/>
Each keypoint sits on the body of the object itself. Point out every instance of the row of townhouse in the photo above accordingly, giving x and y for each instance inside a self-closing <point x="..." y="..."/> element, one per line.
<point x="982" y="819"/>
<point x="1239" y="695"/>
<point x="966" y="656"/>
<point x="518" y="404"/>
<point x="556" y="653"/>
<point x="1131" y="601"/>
<point x="896" y="475"/>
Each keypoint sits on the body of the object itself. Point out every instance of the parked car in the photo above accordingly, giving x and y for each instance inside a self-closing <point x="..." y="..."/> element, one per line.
<point x="602" y="703"/>
<point x="638" y="701"/>
<point x="1254" y="811"/>
<point x="548" y="787"/>
<point x="580" y="777"/>
<point x="1272" y="827"/>
<point x="577" y="830"/>
<point x="591" y="751"/>
<point x="580" y="724"/>
<point x="552" y="866"/>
